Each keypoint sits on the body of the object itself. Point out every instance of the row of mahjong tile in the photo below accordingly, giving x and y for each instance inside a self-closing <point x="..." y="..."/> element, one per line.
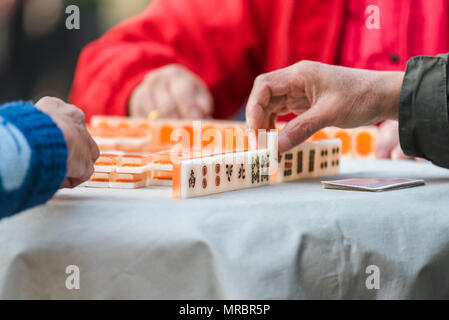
<point x="125" y="180"/>
<point x="121" y="170"/>
<point x="313" y="159"/>
<point x="221" y="173"/>
<point x="117" y="161"/>
<point x="133" y="163"/>
<point x="230" y="172"/>
<point x="139" y="135"/>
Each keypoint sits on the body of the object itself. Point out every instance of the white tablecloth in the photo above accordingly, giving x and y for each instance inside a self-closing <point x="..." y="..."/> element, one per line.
<point x="287" y="241"/>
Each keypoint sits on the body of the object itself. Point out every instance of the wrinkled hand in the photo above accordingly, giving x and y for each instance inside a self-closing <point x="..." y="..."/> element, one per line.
<point x="322" y="95"/>
<point x="82" y="149"/>
<point x="175" y="92"/>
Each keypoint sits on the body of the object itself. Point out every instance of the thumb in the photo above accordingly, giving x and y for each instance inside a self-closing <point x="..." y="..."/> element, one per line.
<point x="204" y="100"/>
<point x="299" y="129"/>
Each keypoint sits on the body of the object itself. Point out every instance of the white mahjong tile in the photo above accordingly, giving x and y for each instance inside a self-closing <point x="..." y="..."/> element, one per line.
<point x="104" y="169"/>
<point x="287" y="160"/>
<point x="335" y="157"/>
<point x="96" y="184"/>
<point x="213" y="174"/>
<point x="278" y="175"/>
<point x="189" y="179"/>
<point x="229" y="180"/>
<point x="252" y="165"/>
<point x="160" y="167"/>
<point x="301" y="162"/>
<point x="98" y="180"/>
<point x="264" y="171"/>
<point x="199" y="177"/>
<point x="217" y="175"/>
<point x="242" y="177"/>
<point x="196" y="177"/>
<point x="128" y="185"/>
<point x="262" y="139"/>
<point x="311" y="159"/>
<point x="159" y="182"/>
<point x="134" y="170"/>
<point x="322" y="158"/>
<point x="258" y="167"/>
<point x="272" y="145"/>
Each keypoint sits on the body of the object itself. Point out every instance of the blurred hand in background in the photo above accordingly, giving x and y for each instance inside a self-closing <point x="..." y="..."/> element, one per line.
<point x="175" y="92"/>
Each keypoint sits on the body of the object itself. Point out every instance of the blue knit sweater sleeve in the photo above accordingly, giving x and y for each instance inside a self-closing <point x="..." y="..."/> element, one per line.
<point x="33" y="157"/>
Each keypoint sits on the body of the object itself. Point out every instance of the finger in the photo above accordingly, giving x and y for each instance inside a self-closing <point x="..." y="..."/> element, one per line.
<point x="145" y="100"/>
<point x="93" y="147"/>
<point x="299" y="129"/>
<point x="266" y="86"/>
<point x="164" y="100"/>
<point x="204" y="100"/>
<point x="71" y="183"/>
<point x="136" y="102"/>
<point x="65" y="184"/>
<point x="46" y="102"/>
<point x="184" y="93"/>
<point x="72" y="180"/>
<point x="272" y="124"/>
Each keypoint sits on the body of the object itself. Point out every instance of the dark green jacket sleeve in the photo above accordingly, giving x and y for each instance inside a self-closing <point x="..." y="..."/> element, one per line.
<point x="423" y="112"/>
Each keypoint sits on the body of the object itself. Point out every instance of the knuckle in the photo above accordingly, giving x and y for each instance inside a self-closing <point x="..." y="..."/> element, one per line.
<point x="261" y="80"/>
<point x="77" y="114"/>
<point x="172" y="69"/>
<point x="80" y="114"/>
<point x="50" y="101"/>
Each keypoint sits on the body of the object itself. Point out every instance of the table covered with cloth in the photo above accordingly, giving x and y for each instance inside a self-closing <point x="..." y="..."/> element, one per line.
<point x="285" y="241"/>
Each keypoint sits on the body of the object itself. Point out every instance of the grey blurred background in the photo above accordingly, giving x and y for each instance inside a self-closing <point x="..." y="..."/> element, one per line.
<point x="38" y="55"/>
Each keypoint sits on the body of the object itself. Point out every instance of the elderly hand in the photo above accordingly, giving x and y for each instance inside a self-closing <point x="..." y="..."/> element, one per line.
<point x="322" y="95"/>
<point x="175" y="92"/>
<point x="82" y="150"/>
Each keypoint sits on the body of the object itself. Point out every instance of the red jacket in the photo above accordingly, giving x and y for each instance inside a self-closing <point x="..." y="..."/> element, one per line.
<point x="229" y="42"/>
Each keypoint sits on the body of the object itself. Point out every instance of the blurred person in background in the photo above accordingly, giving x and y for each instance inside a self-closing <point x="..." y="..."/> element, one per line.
<point x="196" y="58"/>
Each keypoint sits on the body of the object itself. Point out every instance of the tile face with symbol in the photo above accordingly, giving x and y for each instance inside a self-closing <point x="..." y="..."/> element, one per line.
<point x="220" y="173"/>
<point x="288" y="164"/>
<point x="312" y="159"/>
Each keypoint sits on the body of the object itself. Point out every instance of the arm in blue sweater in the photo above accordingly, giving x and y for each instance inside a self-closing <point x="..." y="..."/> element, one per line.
<point x="33" y="157"/>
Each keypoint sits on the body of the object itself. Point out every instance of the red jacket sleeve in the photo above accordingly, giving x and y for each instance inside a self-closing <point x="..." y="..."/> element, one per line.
<point x="219" y="40"/>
